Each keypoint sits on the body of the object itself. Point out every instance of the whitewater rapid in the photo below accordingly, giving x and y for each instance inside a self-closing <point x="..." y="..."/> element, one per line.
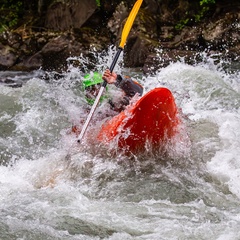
<point x="194" y="194"/>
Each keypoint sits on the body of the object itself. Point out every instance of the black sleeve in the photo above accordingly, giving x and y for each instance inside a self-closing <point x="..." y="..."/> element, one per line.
<point x="129" y="86"/>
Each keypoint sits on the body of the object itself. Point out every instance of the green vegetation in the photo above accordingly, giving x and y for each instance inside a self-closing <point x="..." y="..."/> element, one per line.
<point x="98" y="3"/>
<point x="10" y="13"/>
<point x="182" y="23"/>
<point x="204" y="8"/>
<point x="206" y="2"/>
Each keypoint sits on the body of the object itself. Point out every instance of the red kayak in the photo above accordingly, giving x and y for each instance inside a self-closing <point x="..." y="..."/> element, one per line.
<point x="151" y="121"/>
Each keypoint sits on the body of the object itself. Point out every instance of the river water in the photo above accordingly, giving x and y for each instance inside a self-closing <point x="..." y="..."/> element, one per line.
<point x="193" y="193"/>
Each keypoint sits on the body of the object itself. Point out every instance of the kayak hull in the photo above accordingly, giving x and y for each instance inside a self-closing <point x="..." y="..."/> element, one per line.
<point x="151" y="121"/>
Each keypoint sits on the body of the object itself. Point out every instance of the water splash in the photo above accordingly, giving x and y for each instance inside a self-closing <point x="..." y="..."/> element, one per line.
<point x="93" y="195"/>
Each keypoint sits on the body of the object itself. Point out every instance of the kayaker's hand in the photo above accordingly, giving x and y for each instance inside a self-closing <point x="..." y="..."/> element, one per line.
<point x="109" y="77"/>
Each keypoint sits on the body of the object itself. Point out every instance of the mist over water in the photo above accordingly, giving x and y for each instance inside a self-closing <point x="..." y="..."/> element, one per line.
<point x="192" y="193"/>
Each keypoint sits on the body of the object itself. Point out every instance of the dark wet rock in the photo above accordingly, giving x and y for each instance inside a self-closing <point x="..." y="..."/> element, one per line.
<point x="8" y="57"/>
<point x="62" y="16"/>
<point x="10" y="82"/>
<point x="29" y="63"/>
<point x="223" y="33"/>
<point x="73" y="28"/>
<point x="164" y="57"/>
<point x="142" y="38"/>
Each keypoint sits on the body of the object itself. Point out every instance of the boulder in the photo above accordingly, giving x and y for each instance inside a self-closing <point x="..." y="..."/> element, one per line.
<point x="141" y="39"/>
<point x="8" y="57"/>
<point x="223" y="33"/>
<point x="63" y="16"/>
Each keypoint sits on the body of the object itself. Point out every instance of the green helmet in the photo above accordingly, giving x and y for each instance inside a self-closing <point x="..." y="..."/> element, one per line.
<point x="92" y="79"/>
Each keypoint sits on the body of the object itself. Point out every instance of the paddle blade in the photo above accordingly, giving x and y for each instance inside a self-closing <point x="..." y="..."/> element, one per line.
<point x="129" y="23"/>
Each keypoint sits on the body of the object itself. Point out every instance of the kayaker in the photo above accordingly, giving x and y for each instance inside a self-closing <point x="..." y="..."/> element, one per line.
<point x="92" y="84"/>
<point x="129" y="87"/>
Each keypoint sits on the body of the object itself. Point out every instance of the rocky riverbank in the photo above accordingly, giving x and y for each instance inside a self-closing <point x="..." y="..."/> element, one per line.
<point x="73" y="28"/>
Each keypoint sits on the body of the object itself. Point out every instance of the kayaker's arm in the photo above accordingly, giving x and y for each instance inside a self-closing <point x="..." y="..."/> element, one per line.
<point x="129" y="86"/>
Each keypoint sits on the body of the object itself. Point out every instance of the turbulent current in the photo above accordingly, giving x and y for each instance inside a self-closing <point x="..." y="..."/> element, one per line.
<point x="48" y="191"/>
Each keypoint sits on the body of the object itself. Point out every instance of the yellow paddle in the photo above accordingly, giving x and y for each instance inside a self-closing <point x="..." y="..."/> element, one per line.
<point x="125" y="32"/>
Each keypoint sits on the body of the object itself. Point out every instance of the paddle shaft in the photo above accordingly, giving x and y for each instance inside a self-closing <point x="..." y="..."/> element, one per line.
<point x="94" y="106"/>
